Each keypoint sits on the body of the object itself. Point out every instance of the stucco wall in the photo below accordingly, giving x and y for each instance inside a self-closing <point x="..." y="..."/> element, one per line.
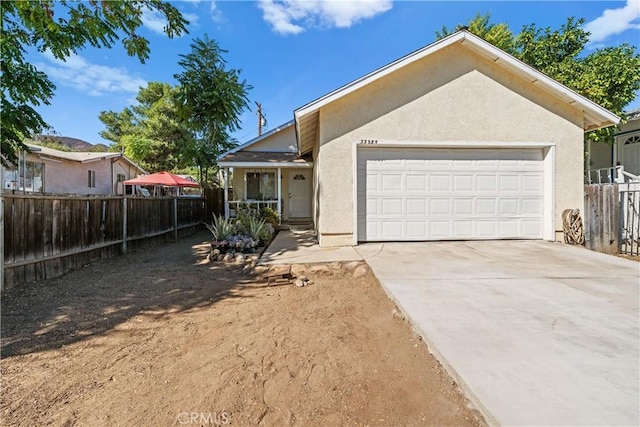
<point x="452" y="95"/>
<point x="283" y="141"/>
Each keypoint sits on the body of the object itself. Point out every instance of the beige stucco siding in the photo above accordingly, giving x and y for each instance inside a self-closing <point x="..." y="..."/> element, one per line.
<point x="283" y="141"/>
<point x="451" y="95"/>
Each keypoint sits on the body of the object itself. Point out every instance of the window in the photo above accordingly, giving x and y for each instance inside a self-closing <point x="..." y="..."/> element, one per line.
<point x="91" y="175"/>
<point x="30" y="178"/>
<point x="261" y="185"/>
<point x="632" y="140"/>
<point x="121" y="177"/>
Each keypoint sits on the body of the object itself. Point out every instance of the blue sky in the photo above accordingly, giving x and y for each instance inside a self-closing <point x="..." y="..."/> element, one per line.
<point x="292" y="51"/>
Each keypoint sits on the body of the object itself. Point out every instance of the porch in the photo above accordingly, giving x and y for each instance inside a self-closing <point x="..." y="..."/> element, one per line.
<point x="258" y="180"/>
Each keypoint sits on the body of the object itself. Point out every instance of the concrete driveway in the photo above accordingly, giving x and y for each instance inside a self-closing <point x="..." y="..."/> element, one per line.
<point x="537" y="333"/>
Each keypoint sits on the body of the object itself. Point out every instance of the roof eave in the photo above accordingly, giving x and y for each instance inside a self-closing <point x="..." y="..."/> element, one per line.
<point x="265" y="165"/>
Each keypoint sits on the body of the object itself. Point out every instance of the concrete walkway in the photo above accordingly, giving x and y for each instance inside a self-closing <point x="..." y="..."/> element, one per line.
<point x="537" y="333"/>
<point x="301" y="247"/>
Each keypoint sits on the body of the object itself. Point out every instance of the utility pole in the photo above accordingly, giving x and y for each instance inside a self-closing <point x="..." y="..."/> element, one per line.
<point x="262" y="120"/>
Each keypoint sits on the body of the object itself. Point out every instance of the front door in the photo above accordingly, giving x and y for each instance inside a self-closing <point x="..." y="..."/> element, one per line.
<point x="300" y="193"/>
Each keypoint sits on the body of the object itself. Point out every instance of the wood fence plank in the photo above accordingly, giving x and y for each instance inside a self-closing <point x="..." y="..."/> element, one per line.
<point x="8" y="230"/>
<point x="47" y="227"/>
<point x="18" y="231"/>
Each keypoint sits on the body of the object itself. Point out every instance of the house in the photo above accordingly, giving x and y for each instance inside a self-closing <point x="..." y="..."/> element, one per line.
<point x="602" y="158"/>
<point x="46" y="170"/>
<point x="627" y="144"/>
<point x="455" y="141"/>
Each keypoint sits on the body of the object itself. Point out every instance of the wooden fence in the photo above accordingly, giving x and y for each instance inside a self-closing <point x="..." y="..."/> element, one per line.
<point x="46" y="236"/>
<point x="602" y="218"/>
<point x="630" y="218"/>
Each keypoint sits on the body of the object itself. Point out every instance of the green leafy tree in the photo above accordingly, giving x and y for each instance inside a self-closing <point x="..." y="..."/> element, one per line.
<point x="61" y="28"/>
<point x="211" y="99"/>
<point x="608" y="76"/>
<point x="150" y="132"/>
<point x="498" y="35"/>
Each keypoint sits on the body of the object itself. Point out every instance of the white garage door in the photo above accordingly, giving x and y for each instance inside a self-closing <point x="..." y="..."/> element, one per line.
<point x="449" y="194"/>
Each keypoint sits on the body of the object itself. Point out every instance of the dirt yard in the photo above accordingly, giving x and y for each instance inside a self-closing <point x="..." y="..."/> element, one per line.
<point x="164" y="337"/>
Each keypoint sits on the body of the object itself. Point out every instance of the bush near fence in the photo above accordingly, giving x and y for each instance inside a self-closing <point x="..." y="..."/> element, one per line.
<point x="46" y="236"/>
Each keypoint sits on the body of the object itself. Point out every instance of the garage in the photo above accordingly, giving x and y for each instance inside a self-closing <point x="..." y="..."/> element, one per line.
<point x="418" y="193"/>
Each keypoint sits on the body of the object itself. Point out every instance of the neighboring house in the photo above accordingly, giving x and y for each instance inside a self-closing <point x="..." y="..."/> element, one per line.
<point x="455" y="141"/>
<point x="624" y="152"/>
<point x="45" y="170"/>
<point x="627" y="144"/>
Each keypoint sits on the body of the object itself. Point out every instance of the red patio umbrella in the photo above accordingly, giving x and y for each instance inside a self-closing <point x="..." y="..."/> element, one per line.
<point x="162" y="178"/>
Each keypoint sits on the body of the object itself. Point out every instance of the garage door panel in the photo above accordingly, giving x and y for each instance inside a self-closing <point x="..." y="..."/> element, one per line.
<point x="392" y="230"/>
<point x="485" y="229"/>
<point x="508" y="183"/>
<point x="463" y="229"/>
<point x="439" y="183"/>
<point x="532" y="207"/>
<point x="391" y="183"/>
<point x="438" y="194"/>
<point x="438" y="207"/>
<point x="416" y="228"/>
<point x="463" y="183"/>
<point x="416" y="207"/>
<point x="416" y="183"/>
<point x="508" y="207"/>
<point x="487" y="183"/>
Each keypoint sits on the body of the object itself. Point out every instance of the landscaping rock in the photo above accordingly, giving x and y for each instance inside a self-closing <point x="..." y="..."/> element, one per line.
<point x="260" y="269"/>
<point x="361" y="271"/>
<point x="352" y="265"/>
<point x="336" y="265"/>
<point x="239" y="259"/>
<point x="298" y="269"/>
<point x="220" y="257"/>
<point x="320" y="269"/>
<point x="215" y="253"/>
<point x="228" y="257"/>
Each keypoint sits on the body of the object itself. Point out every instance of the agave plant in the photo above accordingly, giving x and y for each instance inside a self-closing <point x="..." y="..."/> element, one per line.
<point x="255" y="227"/>
<point x="220" y="228"/>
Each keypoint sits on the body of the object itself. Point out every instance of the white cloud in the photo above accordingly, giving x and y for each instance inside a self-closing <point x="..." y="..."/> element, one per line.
<point x="96" y="80"/>
<point x="295" y="16"/>
<point x="191" y="17"/>
<point x="216" y="15"/>
<point x="614" y="21"/>
<point x="153" y="20"/>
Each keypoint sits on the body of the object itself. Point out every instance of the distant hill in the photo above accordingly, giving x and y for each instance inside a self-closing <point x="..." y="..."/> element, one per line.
<point x="72" y="144"/>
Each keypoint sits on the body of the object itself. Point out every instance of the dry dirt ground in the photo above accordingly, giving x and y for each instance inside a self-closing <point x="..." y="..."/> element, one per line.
<point x="164" y="337"/>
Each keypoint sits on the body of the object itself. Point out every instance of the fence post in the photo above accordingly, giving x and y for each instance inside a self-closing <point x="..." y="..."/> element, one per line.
<point x="124" y="224"/>
<point x="175" y="218"/>
<point x="1" y="242"/>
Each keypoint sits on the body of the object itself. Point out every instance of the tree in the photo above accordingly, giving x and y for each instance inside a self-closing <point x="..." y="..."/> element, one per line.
<point x="150" y="132"/>
<point x="34" y="24"/>
<point x="498" y="35"/>
<point x="608" y="76"/>
<point x="211" y="99"/>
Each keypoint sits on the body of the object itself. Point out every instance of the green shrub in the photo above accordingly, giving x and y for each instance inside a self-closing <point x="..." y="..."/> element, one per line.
<point x="271" y="216"/>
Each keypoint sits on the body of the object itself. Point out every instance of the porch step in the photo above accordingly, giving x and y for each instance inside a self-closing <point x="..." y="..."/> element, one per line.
<point x="297" y="224"/>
